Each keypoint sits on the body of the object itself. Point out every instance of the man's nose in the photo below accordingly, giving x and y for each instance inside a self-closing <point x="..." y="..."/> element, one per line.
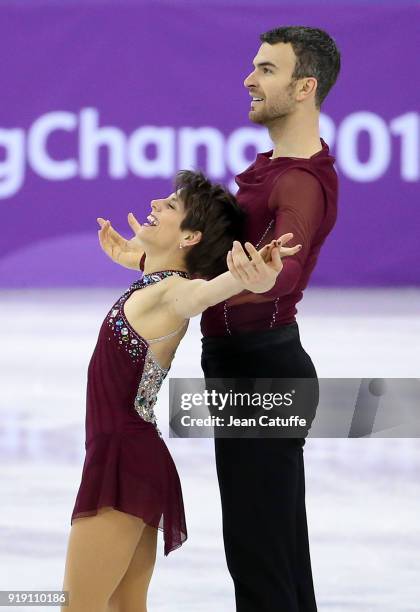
<point x="249" y="81"/>
<point x="155" y="204"/>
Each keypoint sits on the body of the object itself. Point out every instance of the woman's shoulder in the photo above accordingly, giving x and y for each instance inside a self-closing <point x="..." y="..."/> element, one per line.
<point x="180" y="289"/>
<point x="177" y="284"/>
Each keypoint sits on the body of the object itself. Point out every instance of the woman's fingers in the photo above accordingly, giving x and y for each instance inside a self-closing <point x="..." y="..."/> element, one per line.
<point x="231" y="266"/>
<point x="275" y="246"/>
<point x="104" y="239"/>
<point x="287" y="251"/>
<point x="276" y="261"/>
<point x="104" y="228"/>
<point x="284" y="239"/>
<point x="109" y="233"/>
<point x="252" y="251"/>
<point x="116" y="238"/>
<point x="242" y="263"/>
<point x="134" y="224"/>
<point x="265" y="251"/>
<point x="256" y="260"/>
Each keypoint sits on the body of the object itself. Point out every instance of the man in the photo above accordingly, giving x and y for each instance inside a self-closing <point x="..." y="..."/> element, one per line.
<point x="292" y="188"/>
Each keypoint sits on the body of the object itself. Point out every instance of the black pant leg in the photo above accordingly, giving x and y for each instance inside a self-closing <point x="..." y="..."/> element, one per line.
<point x="305" y="586"/>
<point x="262" y="492"/>
<point x="259" y="487"/>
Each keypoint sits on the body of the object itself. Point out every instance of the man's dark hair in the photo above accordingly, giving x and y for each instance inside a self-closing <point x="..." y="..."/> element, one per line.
<point x="212" y="210"/>
<point x="316" y="55"/>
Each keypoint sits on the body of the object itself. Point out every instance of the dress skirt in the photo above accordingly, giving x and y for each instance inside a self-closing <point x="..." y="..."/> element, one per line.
<point x="133" y="472"/>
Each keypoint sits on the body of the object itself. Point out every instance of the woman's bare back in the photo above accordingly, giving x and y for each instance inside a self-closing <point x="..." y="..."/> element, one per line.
<point x="150" y="314"/>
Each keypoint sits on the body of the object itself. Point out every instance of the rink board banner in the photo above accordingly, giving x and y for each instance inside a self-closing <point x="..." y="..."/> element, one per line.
<point x="294" y="408"/>
<point x="102" y="104"/>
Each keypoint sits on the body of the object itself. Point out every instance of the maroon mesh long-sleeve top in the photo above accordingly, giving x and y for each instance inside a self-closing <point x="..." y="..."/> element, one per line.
<point x="280" y="195"/>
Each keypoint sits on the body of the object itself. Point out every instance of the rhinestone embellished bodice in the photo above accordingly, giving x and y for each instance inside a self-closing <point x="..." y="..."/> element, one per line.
<point x="123" y="369"/>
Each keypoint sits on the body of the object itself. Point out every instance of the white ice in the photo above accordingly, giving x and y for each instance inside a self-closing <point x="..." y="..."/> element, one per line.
<point x="362" y="495"/>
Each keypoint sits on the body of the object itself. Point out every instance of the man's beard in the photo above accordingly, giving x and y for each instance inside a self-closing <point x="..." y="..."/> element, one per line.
<point x="275" y="112"/>
<point x="266" y="117"/>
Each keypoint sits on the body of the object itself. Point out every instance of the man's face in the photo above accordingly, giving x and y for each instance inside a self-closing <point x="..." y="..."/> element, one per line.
<point x="271" y="81"/>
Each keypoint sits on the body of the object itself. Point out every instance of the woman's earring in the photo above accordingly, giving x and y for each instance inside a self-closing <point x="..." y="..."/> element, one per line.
<point x="180" y="246"/>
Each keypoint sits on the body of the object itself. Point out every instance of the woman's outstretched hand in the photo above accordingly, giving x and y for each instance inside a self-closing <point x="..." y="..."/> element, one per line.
<point x="257" y="270"/>
<point x="125" y="252"/>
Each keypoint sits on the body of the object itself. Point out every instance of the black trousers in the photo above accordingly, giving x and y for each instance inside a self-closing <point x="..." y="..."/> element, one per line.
<point x="262" y="482"/>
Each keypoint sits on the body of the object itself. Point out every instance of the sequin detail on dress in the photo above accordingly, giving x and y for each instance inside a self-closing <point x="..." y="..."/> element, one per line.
<point x="153" y="374"/>
<point x="150" y="383"/>
<point x="134" y="344"/>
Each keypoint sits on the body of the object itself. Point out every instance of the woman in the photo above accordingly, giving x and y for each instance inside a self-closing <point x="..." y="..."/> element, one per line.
<point x="130" y="487"/>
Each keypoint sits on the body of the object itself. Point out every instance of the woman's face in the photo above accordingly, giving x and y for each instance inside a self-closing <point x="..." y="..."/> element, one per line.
<point x="162" y="227"/>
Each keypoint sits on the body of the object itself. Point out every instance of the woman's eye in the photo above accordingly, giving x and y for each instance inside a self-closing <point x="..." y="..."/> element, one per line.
<point x="266" y="70"/>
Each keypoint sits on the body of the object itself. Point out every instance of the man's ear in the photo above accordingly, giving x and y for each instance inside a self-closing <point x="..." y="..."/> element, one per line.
<point x="308" y="87"/>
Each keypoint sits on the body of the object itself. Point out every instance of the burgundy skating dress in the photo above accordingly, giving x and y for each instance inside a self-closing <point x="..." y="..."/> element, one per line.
<point x="128" y="465"/>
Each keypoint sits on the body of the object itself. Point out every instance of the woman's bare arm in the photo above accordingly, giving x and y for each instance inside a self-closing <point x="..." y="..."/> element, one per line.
<point x="258" y="274"/>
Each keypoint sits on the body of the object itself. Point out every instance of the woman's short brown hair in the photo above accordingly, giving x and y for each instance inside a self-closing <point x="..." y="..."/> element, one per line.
<point x="211" y="209"/>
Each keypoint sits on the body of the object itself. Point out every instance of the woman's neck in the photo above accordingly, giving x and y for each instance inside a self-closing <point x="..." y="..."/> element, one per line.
<point x="154" y="263"/>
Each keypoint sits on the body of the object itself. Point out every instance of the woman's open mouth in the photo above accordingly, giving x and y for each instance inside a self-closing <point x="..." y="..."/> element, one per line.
<point x="152" y="221"/>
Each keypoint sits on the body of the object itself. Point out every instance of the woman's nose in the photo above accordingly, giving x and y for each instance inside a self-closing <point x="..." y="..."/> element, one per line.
<point x="154" y="204"/>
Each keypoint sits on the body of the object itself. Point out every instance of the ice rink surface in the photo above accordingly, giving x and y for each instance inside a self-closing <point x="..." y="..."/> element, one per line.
<point x="362" y="495"/>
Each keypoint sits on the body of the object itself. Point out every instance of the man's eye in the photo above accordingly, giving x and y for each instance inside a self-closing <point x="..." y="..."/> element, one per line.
<point x="266" y="70"/>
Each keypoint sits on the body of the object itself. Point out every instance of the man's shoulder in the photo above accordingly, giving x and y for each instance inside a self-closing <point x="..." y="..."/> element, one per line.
<point x="297" y="178"/>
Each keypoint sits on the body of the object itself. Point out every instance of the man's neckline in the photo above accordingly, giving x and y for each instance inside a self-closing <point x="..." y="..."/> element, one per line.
<point x="267" y="154"/>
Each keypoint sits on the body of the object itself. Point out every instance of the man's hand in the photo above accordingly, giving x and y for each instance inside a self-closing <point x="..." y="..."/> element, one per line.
<point x="257" y="270"/>
<point x="127" y="253"/>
